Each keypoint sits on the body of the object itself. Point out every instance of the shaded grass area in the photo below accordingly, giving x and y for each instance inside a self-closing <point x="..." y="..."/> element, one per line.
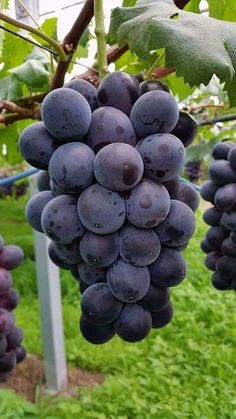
<point x="186" y="370"/>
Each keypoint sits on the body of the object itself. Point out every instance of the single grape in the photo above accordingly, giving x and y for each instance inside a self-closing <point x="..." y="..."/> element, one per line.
<point x="226" y="267"/>
<point x="228" y="220"/>
<point x="97" y="250"/>
<point x="169" y="269"/>
<point x="52" y="252"/>
<point x="156" y="299"/>
<point x="101" y="210"/>
<point x="99" y="305"/>
<point x="205" y="246"/>
<point x="5" y="281"/>
<point x="212" y="216"/>
<point x="66" y="114"/>
<point x="225" y="197"/>
<point x="20" y="353"/>
<point x="96" y="334"/>
<point x="188" y="195"/>
<point x="119" y="90"/>
<point x="154" y="112"/>
<point x="212" y="259"/>
<point x="185" y="129"/>
<point x="148" y="204"/>
<point x="215" y="236"/>
<point x="71" y="167"/>
<point x="220" y="172"/>
<point x="110" y="125"/>
<point x="138" y="246"/>
<point x="34" y="208"/>
<point x="68" y="253"/>
<point x="221" y="150"/>
<point x="128" y="283"/>
<point x="179" y="225"/>
<point x="118" y="167"/>
<point x="163" y="157"/>
<point x="172" y="185"/>
<point x="219" y="282"/>
<point x="7" y="362"/>
<point x="37" y="145"/>
<point x="43" y="181"/>
<point x="162" y="318"/>
<point x="55" y="188"/>
<point x="60" y="219"/>
<point x="86" y="89"/>
<point x="227" y="248"/>
<point x="149" y="85"/>
<point x="208" y="191"/>
<point x="91" y="274"/>
<point x="6" y="321"/>
<point x="11" y="257"/>
<point x="10" y="300"/>
<point x="133" y="324"/>
<point x="14" y="337"/>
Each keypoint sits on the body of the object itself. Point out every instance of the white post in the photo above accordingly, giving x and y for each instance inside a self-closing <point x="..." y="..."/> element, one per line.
<point x="49" y="292"/>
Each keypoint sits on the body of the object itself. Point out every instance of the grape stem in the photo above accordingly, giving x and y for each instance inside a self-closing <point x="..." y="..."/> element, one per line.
<point x="154" y="65"/>
<point x="101" y="38"/>
<point x="63" y="56"/>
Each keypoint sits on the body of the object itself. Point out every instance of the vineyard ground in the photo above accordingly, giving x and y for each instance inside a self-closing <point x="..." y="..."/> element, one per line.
<point x="186" y="370"/>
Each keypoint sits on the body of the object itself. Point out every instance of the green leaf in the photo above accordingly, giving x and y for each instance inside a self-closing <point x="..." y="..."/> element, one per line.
<point x="49" y="27"/>
<point x="128" y="3"/>
<point x="178" y="87"/>
<point x="10" y="88"/>
<point x="193" y="6"/>
<point x="14" y="52"/>
<point x="198" y="46"/>
<point x="224" y="10"/>
<point x="38" y="54"/>
<point x="32" y="73"/>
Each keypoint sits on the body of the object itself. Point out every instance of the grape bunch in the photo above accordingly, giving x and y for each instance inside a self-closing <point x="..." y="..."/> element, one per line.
<point x="11" y="336"/>
<point x="193" y="169"/>
<point x="220" y="241"/>
<point x="111" y="199"/>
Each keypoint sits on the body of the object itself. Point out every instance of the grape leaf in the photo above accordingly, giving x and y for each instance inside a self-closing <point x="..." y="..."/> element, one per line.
<point x="198" y="46"/>
<point x="14" y="52"/>
<point x="10" y="88"/>
<point x="32" y="73"/>
<point x="193" y="6"/>
<point x="224" y="10"/>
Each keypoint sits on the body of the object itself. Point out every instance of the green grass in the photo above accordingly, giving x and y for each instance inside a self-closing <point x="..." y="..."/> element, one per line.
<point x="186" y="370"/>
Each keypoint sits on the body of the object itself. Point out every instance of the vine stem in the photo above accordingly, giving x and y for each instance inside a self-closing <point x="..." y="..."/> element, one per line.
<point x="154" y="65"/>
<point x="101" y="38"/>
<point x="54" y="44"/>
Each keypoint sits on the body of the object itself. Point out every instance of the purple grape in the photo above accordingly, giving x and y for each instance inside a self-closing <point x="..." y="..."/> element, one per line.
<point x="169" y="268"/>
<point x="162" y="318"/>
<point x="43" y="181"/>
<point x="185" y="129"/>
<point x="96" y="334"/>
<point x="188" y="195"/>
<point x="91" y="274"/>
<point x="133" y="324"/>
<point x="5" y="281"/>
<point x="14" y="337"/>
<point x="10" y="300"/>
<point x="97" y="250"/>
<point x="156" y="299"/>
<point x="86" y="89"/>
<point x="11" y="257"/>
<point x="34" y="208"/>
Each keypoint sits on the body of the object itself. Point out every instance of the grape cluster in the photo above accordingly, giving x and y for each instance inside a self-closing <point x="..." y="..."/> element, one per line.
<point x="193" y="169"/>
<point x="11" y="336"/>
<point x="220" y="241"/>
<point x="111" y="200"/>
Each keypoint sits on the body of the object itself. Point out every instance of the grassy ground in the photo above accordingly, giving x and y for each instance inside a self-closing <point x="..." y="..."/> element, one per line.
<point x="186" y="370"/>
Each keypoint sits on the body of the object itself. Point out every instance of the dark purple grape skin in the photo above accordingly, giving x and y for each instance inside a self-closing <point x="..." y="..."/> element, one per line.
<point x="55" y="188"/>
<point x="43" y="181"/>
<point x="14" y="337"/>
<point x="20" y="353"/>
<point x="212" y="216"/>
<point x="118" y="167"/>
<point x="119" y="90"/>
<point x="156" y="299"/>
<point x="11" y="257"/>
<point x="232" y="157"/>
<point x="226" y="267"/>
<point x="193" y="169"/>
<point x="52" y="253"/>
<point x="34" y="208"/>
<point x="97" y="250"/>
<point x="154" y="112"/>
<point x="221" y="150"/>
<point x="225" y="197"/>
<point x="212" y="259"/>
<point x="163" y="156"/>
<point x="96" y="334"/>
<point x="188" y="195"/>
<point x="172" y="185"/>
<point x="205" y="246"/>
<point x="3" y="345"/>
<point x="179" y="225"/>
<point x="66" y="114"/>
<point x="7" y="362"/>
<point x="148" y="204"/>
<point x="108" y="126"/>
<point x="83" y="286"/>
<point x="149" y="85"/>
<point x="221" y="173"/>
<point x="220" y="283"/>
<point x="68" y="253"/>
<point x="91" y="274"/>
<point x="162" y="318"/>
<point x="169" y="269"/>
<point x="227" y="248"/>
<point x="215" y="236"/>
<point x="71" y="167"/>
<point x="5" y="281"/>
<point x="37" y="145"/>
<point x="208" y="191"/>
<point x="128" y="283"/>
<point x="60" y="220"/>
<point x="10" y="300"/>
<point x="228" y="220"/>
<point x="86" y="89"/>
<point x="6" y="321"/>
<point x="138" y="246"/>
<point x="98" y="304"/>
<point x="133" y="324"/>
<point x="101" y="210"/>
<point x="185" y="129"/>
<point x="232" y="238"/>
